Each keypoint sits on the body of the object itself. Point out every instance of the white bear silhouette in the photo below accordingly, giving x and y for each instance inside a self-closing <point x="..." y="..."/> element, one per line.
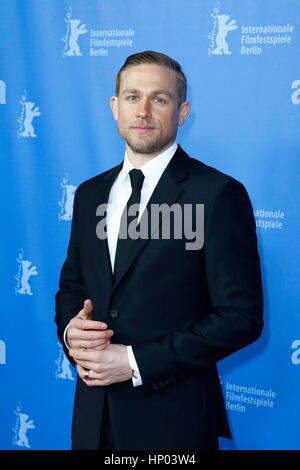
<point x="66" y="372"/>
<point x="24" y="426"/>
<point x="2" y="352"/>
<point x="27" y="271"/>
<point x="2" y="92"/>
<point x="69" y="194"/>
<point x="29" y="115"/>
<point x="223" y="28"/>
<point x="76" y="31"/>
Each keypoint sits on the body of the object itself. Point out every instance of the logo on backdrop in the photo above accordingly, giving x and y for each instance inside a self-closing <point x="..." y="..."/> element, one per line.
<point x="269" y="219"/>
<point x="63" y="370"/>
<point x="25" y="271"/>
<point x="2" y="352"/>
<point x="28" y="113"/>
<point x="101" y="41"/>
<point x="241" y="398"/>
<point x="296" y="94"/>
<point x="23" y="424"/>
<point x="222" y="25"/>
<point x="67" y="199"/>
<point x="295" y="358"/>
<point x="2" y="92"/>
<point x="254" y="39"/>
<point x="71" y="37"/>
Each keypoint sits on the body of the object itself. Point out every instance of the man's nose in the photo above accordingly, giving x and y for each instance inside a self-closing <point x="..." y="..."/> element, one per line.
<point x="144" y="109"/>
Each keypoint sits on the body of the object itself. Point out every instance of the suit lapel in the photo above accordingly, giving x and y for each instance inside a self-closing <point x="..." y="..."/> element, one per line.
<point x="102" y="256"/>
<point x="167" y="192"/>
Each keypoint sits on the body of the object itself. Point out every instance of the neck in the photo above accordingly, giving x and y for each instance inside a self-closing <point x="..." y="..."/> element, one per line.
<point x="140" y="159"/>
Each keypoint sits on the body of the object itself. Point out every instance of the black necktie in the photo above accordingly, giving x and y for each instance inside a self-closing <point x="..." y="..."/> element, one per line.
<point x="123" y="244"/>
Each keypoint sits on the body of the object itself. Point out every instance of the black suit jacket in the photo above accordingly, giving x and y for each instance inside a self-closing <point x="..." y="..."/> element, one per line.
<point x="181" y="310"/>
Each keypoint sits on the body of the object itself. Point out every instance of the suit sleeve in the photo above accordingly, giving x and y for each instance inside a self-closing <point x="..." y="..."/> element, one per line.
<point x="71" y="294"/>
<point x="234" y="284"/>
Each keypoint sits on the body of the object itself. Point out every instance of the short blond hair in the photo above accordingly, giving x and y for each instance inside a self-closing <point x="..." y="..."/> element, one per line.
<point x="152" y="57"/>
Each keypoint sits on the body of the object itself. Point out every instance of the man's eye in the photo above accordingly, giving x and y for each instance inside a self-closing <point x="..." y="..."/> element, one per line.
<point x="157" y="99"/>
<point x="132" y="98"/>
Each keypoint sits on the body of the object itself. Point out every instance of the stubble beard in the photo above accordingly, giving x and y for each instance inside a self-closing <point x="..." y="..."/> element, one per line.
<point x="154" y="145"/>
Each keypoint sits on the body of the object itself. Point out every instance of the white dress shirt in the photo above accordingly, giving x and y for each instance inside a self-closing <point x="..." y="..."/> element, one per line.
<point x="119" y="194"/>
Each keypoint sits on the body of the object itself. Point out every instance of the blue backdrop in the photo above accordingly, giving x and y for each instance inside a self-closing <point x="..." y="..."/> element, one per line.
<point x="59" y="59"/>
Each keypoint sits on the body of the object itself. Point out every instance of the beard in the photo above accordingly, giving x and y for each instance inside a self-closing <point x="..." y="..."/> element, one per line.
<point x="147" y="146"/>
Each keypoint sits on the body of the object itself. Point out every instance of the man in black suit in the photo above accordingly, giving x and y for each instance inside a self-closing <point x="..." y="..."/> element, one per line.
<point x="146" y="318"/>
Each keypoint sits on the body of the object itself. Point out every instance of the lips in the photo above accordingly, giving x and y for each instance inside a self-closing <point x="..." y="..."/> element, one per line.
<point x="142" y="129"/>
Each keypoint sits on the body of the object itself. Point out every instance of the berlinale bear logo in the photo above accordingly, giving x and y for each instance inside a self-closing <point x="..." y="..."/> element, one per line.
<point x="21" y="428"/>
<point x="28" y="113"/>
<point x="221" y="27"/>
<point x="2" y="352"/>
<point x="2" y="92"/>
<point x="74" y="30"/>
<point x="24" y="273"/>
<point x="63" y="366"/>
<point x="67" y="200"/>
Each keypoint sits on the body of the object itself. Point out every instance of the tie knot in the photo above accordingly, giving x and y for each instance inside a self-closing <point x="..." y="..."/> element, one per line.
<point x="136" y="178"/>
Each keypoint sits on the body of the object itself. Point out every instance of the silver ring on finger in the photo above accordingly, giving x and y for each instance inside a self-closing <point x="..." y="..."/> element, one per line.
<point x="86" y="374"/>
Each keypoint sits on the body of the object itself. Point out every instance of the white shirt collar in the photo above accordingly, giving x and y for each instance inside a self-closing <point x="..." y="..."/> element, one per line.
<point x="153" y="169"/>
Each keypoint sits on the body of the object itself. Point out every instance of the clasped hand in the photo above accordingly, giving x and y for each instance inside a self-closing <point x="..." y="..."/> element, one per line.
<point x="90" y="347"/>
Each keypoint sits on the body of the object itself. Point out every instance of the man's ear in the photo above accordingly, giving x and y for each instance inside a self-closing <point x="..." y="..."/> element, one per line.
<point x="114" y="105"/>
<point x="184" y="111"/>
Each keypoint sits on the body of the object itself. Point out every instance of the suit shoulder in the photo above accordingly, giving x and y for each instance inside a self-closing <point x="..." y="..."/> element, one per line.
<point x="212" y="178"/>
<point x="94" y="182"/>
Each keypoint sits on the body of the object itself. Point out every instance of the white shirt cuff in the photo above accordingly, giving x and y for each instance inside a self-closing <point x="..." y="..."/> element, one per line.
<point x="135" y="380"/>
<point x="65" y="336"/>
<point x="132" y="362"/>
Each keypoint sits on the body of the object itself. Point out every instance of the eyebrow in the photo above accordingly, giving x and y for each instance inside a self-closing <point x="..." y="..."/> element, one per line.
<point x="159" y="91"/>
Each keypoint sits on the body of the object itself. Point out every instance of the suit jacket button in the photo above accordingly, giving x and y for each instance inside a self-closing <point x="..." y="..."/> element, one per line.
<point x="168" y="381"/>
<point x="113" y="313"/>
